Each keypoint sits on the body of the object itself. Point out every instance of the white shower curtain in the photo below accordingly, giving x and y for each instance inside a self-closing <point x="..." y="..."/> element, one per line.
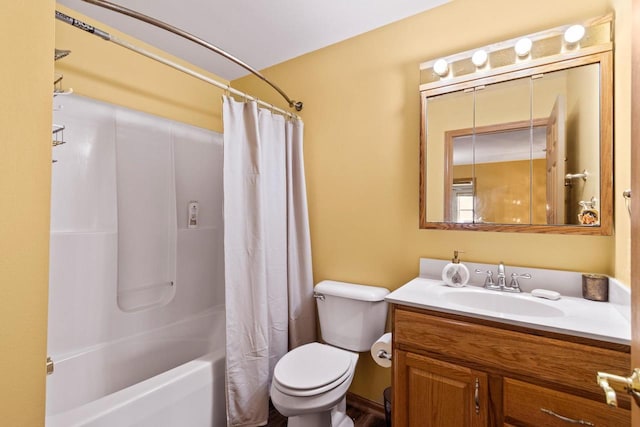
<point x="268" y="281"/>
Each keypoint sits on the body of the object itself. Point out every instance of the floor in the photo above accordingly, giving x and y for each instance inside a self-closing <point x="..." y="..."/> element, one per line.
<point x="360" y="417"/>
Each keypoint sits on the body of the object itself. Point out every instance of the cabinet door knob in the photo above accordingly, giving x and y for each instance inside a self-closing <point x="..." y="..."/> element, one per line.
<point x="630" y="384"/>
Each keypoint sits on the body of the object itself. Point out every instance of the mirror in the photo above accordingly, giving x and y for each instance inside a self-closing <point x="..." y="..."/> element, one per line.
<point x="526" y="151"/>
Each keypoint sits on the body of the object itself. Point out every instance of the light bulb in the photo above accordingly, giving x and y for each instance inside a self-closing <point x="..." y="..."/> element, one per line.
<point x="523" y="46"/>
<point x="441" y="67"/>
<point x="574" y="34"/>
<point x="479" y="58"/>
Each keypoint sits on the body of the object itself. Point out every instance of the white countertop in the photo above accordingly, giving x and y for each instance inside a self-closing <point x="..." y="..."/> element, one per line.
<point x="570" y="315"/>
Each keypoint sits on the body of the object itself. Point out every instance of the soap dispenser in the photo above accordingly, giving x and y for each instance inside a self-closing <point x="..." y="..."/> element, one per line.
<point x="455" y="273"/>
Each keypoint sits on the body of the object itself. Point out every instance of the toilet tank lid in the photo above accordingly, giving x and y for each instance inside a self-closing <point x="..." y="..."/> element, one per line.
<point x="351" y="290"/>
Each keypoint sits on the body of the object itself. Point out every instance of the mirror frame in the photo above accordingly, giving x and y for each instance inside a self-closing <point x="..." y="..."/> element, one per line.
<point x="601" y="55"/>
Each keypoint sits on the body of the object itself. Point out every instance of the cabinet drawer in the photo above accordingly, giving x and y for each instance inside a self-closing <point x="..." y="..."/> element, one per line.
<point x="530" y="405"/>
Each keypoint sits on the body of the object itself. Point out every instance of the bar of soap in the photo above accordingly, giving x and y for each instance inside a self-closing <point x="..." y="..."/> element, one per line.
<point x="545" y="293"/>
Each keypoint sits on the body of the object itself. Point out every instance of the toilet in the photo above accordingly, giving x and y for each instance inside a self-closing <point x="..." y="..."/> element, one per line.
<point x="310" y="382"/>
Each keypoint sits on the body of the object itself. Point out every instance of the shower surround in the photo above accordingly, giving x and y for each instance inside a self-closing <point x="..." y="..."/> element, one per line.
<point x="136" y="299"/>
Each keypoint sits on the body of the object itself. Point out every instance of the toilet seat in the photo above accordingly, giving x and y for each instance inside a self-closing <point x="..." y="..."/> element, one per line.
<point x="312" y="369"/>
<point x="312" y="391"/>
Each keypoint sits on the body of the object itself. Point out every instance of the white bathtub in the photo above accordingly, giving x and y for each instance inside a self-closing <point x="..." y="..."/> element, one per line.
<point x="168" y="377"/>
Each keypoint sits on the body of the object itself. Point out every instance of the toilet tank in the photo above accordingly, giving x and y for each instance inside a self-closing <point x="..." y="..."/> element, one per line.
<point x="351" y="316"/>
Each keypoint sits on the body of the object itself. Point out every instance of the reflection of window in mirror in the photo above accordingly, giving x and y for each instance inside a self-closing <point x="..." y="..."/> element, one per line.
<point x="462" y="200"/>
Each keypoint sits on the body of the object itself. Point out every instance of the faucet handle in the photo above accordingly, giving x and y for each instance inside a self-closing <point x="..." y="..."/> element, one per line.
<point x="489" y="279"/>
<point x="489" y="283"/>
<point x="514" y="286"/>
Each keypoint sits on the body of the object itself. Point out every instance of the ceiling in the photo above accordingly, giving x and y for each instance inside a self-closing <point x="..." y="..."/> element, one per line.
<point x="259" y="32"/>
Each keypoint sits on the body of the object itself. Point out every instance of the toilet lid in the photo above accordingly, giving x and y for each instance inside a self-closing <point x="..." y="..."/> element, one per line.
<point x="311" y="366"/>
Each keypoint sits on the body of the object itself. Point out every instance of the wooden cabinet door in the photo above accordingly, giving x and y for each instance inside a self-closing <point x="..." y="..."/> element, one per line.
<point x="432" y="393"/>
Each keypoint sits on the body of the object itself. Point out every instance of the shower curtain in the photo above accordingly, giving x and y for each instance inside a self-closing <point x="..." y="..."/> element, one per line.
<point x="268" y="280"/>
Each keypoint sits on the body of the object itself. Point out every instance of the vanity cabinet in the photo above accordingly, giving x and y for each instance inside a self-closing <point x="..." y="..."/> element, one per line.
<point x="452" y="370"/>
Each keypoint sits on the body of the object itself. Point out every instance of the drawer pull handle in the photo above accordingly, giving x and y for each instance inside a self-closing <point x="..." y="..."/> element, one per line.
<point x="476" y="396"/>
<point x="567" y="419"/>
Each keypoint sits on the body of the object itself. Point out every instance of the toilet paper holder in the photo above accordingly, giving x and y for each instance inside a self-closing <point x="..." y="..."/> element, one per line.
<point x="382" y="354"/>
<point x="382" y="351"/>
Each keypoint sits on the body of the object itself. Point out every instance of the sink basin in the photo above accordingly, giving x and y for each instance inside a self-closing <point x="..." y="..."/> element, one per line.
<point x="520" y="305"/>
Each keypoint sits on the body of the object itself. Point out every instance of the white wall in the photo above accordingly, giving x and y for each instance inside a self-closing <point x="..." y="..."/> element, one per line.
<point x="83" y="306"/>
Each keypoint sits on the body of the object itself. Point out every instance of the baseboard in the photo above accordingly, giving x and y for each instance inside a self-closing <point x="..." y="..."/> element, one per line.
<point x="365" y="405"/>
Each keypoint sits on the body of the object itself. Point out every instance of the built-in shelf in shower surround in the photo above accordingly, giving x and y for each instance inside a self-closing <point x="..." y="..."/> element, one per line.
<point x="147" y="223"/>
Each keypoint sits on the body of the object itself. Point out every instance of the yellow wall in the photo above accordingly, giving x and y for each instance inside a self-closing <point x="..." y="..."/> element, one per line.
<point x="102" y="70"/>
<point x="362" y="131"/>
<point x="26" y="43"/>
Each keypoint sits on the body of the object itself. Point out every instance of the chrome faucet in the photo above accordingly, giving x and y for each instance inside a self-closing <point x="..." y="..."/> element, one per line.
<point x="501" y="284"/>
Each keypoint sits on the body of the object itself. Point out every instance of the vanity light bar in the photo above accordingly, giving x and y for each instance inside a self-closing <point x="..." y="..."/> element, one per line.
<point x="563" y="42"/>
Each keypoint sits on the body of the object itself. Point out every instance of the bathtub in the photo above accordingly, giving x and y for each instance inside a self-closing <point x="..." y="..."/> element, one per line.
<point x="168" y="377"/>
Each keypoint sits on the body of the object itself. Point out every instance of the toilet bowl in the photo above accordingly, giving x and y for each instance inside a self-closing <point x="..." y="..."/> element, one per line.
<point x="310" y="382"/>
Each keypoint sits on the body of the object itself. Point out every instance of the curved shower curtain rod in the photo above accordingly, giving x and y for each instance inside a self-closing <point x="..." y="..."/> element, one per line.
<point x="177" y="31"/>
